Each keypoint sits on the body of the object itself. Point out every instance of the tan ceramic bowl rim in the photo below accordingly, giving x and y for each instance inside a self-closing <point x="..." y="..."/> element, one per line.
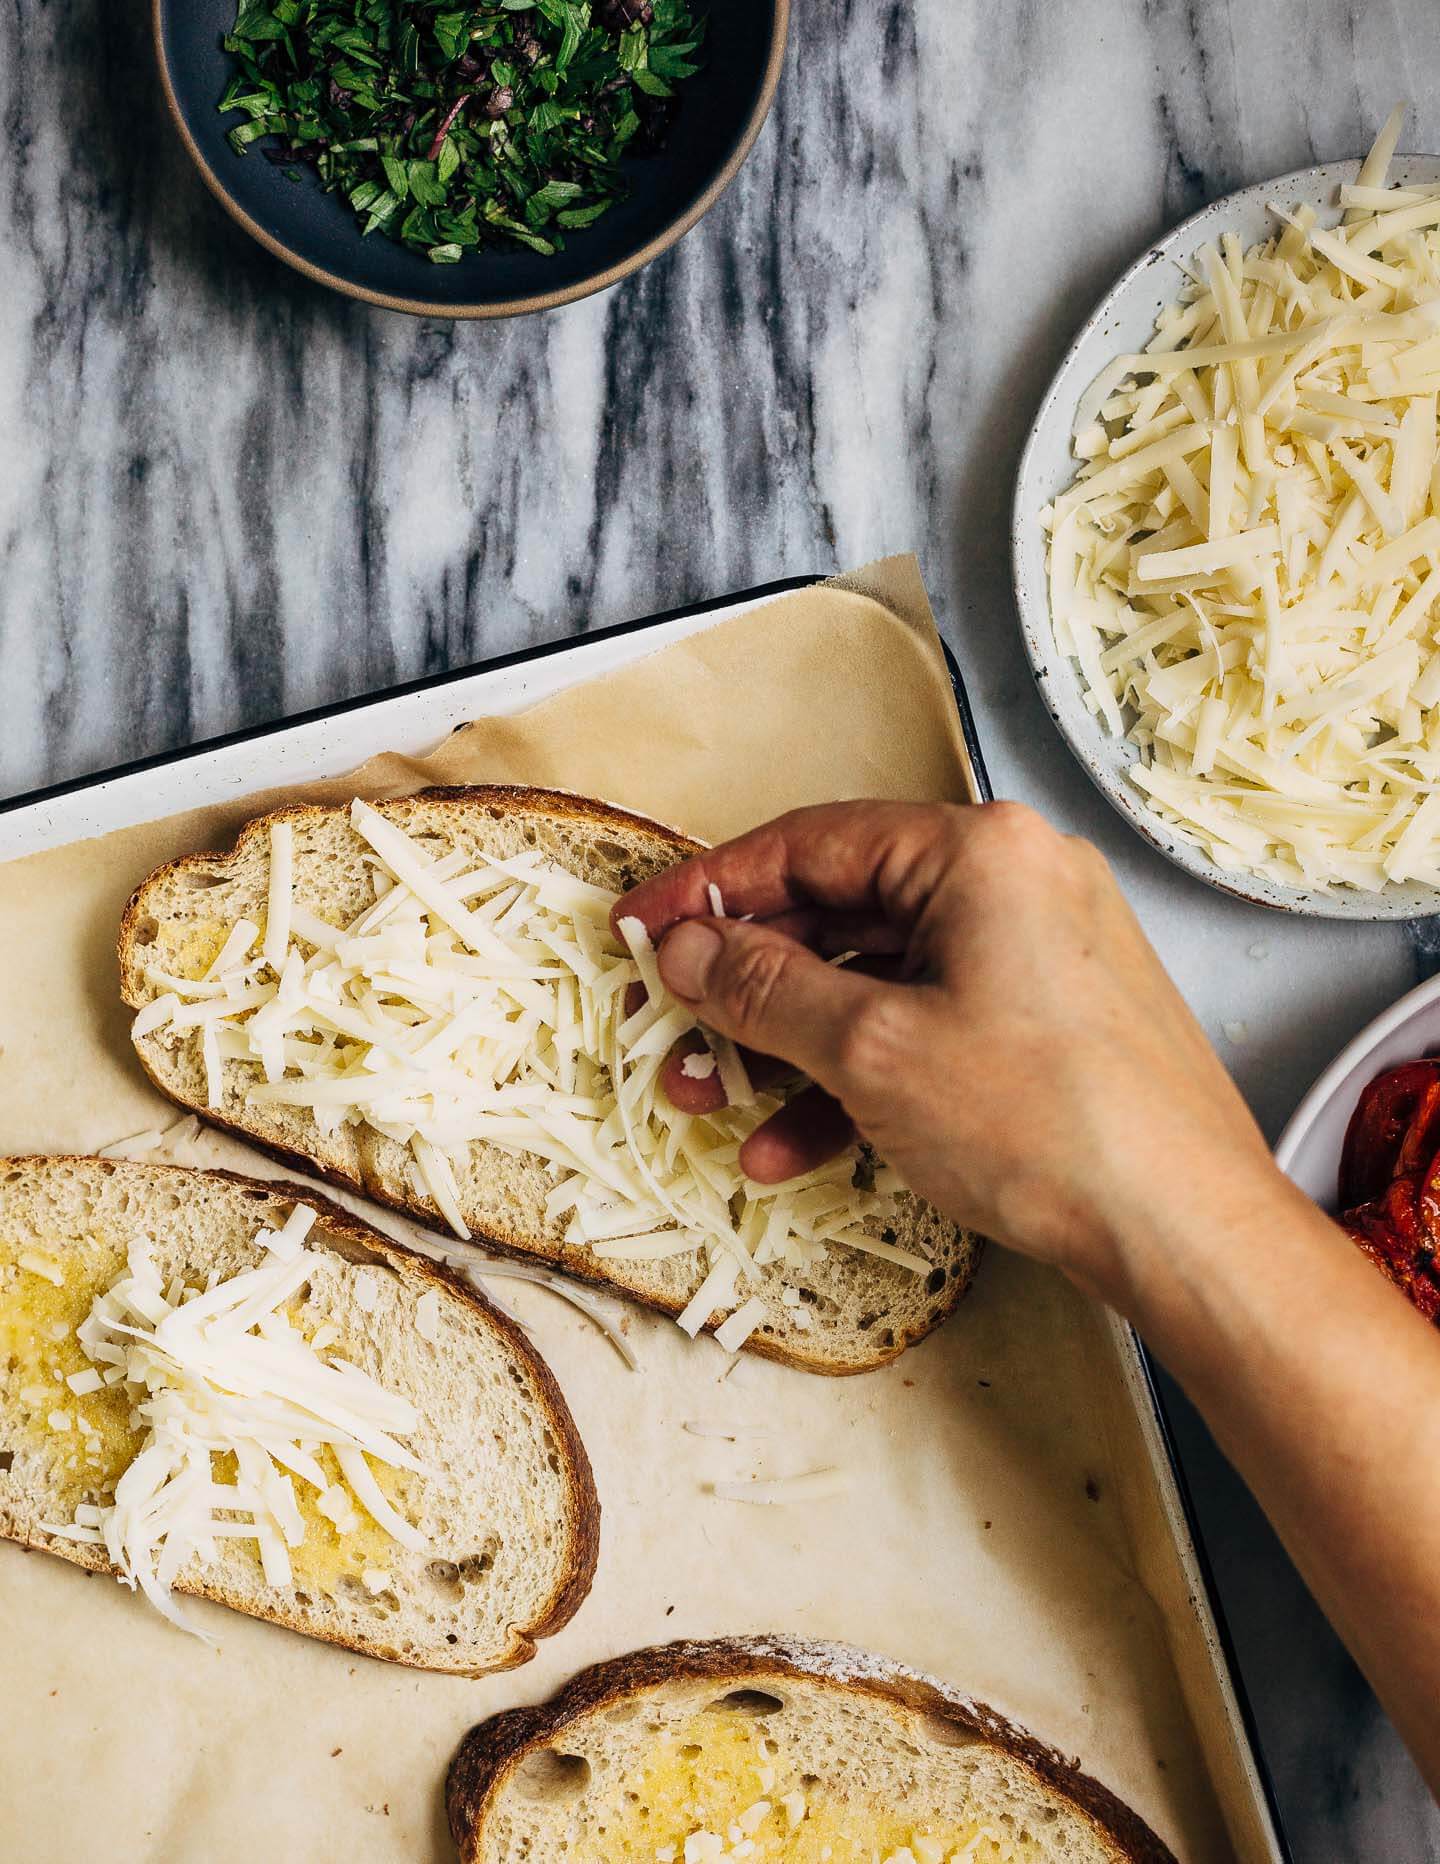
<point x="507" y="307"/>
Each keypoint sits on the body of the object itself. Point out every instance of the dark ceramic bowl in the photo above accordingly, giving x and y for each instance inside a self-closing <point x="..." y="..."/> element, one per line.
<point x="721" y="112"/>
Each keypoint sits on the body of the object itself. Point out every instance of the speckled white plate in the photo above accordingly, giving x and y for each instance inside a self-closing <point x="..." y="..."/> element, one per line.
<point x="1309" y="1147"/>
<point x="1122" y="324"/>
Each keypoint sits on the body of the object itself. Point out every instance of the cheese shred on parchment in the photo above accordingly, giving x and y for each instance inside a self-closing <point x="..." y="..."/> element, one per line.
<point x="1247" y="565"/>
<point x="814" y="1485"/>
<point x="219" y="1370"/>
<point x="484" y="999"/>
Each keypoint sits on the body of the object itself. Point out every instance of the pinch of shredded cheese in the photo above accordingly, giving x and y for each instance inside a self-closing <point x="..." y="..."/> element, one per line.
<point x="1247" y="564"/>
<point x="812" y="1485"/>
<point x="483" y="999"/>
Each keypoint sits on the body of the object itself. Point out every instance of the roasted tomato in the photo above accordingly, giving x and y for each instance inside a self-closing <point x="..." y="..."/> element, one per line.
<point x="1427" y="1201"/>
<point x="1422" y="1135"/>
<point x="1399" y="1110"/>
<point x="1392" y="1230"/>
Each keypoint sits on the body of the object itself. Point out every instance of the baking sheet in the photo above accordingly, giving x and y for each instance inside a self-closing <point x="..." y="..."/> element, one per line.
<point x="994" y="1524"/>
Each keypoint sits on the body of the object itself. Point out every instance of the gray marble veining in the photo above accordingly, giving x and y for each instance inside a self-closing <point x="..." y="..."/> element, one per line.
<point x="226" y="494"/>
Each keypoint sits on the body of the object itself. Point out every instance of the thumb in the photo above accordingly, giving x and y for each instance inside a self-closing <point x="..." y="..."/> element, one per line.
<point x="766" y="991"/>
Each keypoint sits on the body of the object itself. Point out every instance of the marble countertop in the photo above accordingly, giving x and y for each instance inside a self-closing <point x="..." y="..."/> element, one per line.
<point x="227" y="495"/>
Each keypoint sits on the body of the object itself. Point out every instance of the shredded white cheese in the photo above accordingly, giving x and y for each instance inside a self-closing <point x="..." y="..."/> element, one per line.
<point x="814" y="1485"/>
<point x="427" y="1316"/>
<point x="220" y="1371"/>
<point x="135" y="1147"/>
<point x="34" y="1263"/>
<point x="1247" y="564"/>
<point x="732" y="1334"/>
<point x="281" y="900"/>
<point x="716" y="1291"/>
<point x="727" y="1433"/>
<point x="483" y="999"/>
<point x="583" y="1299"/>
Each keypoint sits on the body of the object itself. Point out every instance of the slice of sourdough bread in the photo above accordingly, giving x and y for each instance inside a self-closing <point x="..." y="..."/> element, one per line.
<point x="858" y="1311"/>
<point x="509" y="1512"/>
<point x="804" y="1751"/>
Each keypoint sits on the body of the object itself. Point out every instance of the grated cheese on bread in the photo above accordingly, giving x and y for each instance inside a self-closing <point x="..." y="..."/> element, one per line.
<point x="446" y="1028"/>
<point x="240" y="1392"/>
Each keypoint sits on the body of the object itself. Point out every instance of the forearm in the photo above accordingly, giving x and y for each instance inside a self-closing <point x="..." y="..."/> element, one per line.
<point x="1033" y="1073"/>
<point x="1323" y="1387"/>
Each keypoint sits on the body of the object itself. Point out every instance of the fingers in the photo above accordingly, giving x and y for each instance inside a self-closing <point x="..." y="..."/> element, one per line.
<point x="831" y="933"/>
<point x="851" y="857"/>
<point x="804" y="1134"/>
<point x="687" y="1089"/>
<point x="810" y="1130"/>
<point x="691" y="1082"/>
<point x="765" y="991"/>
<point x="698" y="1088"/>
<point x="733" y="928"/>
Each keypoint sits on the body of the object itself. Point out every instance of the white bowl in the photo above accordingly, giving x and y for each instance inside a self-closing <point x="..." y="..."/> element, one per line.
<point x="1309" y="1147"/>
<point x="1123" y="323"/>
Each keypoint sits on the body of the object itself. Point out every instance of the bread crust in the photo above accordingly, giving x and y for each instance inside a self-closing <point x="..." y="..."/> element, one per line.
<point x="492" y="1750"/>
<point x="572" y="1259"/>
<point x="275" y="1198"/>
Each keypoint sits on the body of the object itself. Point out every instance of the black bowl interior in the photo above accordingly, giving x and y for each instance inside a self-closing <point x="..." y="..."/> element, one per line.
<point x="716" y="107"/>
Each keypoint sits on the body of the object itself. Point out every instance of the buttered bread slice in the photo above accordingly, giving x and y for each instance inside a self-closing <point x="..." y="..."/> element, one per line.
<point x="238" y="1391"/>
<point x="775" y="1751"/>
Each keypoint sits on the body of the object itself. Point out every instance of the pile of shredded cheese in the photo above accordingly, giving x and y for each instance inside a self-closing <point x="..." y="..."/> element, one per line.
<point x="220" y="1371"/>
<point x="487" y="1002"/>
<point x="1247" y="565"/>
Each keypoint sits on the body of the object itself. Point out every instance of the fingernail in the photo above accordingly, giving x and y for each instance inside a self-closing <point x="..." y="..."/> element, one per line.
<point x="687" y="957"/>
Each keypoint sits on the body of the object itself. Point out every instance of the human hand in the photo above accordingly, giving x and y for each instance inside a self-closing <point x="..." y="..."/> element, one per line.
<point x="1033" y="1072"/>
<point x="1027" y="1065"/>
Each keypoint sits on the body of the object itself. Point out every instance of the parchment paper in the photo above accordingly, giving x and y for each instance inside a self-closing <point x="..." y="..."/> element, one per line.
<point x="981" y="1537"/>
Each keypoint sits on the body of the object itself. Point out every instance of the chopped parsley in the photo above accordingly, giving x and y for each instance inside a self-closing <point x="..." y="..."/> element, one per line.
<point x="454" y="128"/>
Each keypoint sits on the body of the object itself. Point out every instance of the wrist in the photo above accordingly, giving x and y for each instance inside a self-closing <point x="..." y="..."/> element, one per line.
<point x="1166" y="1260"/>
<point x="1235" y="1278"/>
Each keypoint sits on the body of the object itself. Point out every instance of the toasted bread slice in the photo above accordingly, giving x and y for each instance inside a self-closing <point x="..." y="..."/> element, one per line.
<point x="808" y="1751"/>
<point x="858" y="1311"/>
<point x="509" y="1513"/>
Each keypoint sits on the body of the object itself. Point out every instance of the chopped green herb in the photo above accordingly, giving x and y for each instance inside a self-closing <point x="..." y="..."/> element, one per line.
<point x="452" y="128"/>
